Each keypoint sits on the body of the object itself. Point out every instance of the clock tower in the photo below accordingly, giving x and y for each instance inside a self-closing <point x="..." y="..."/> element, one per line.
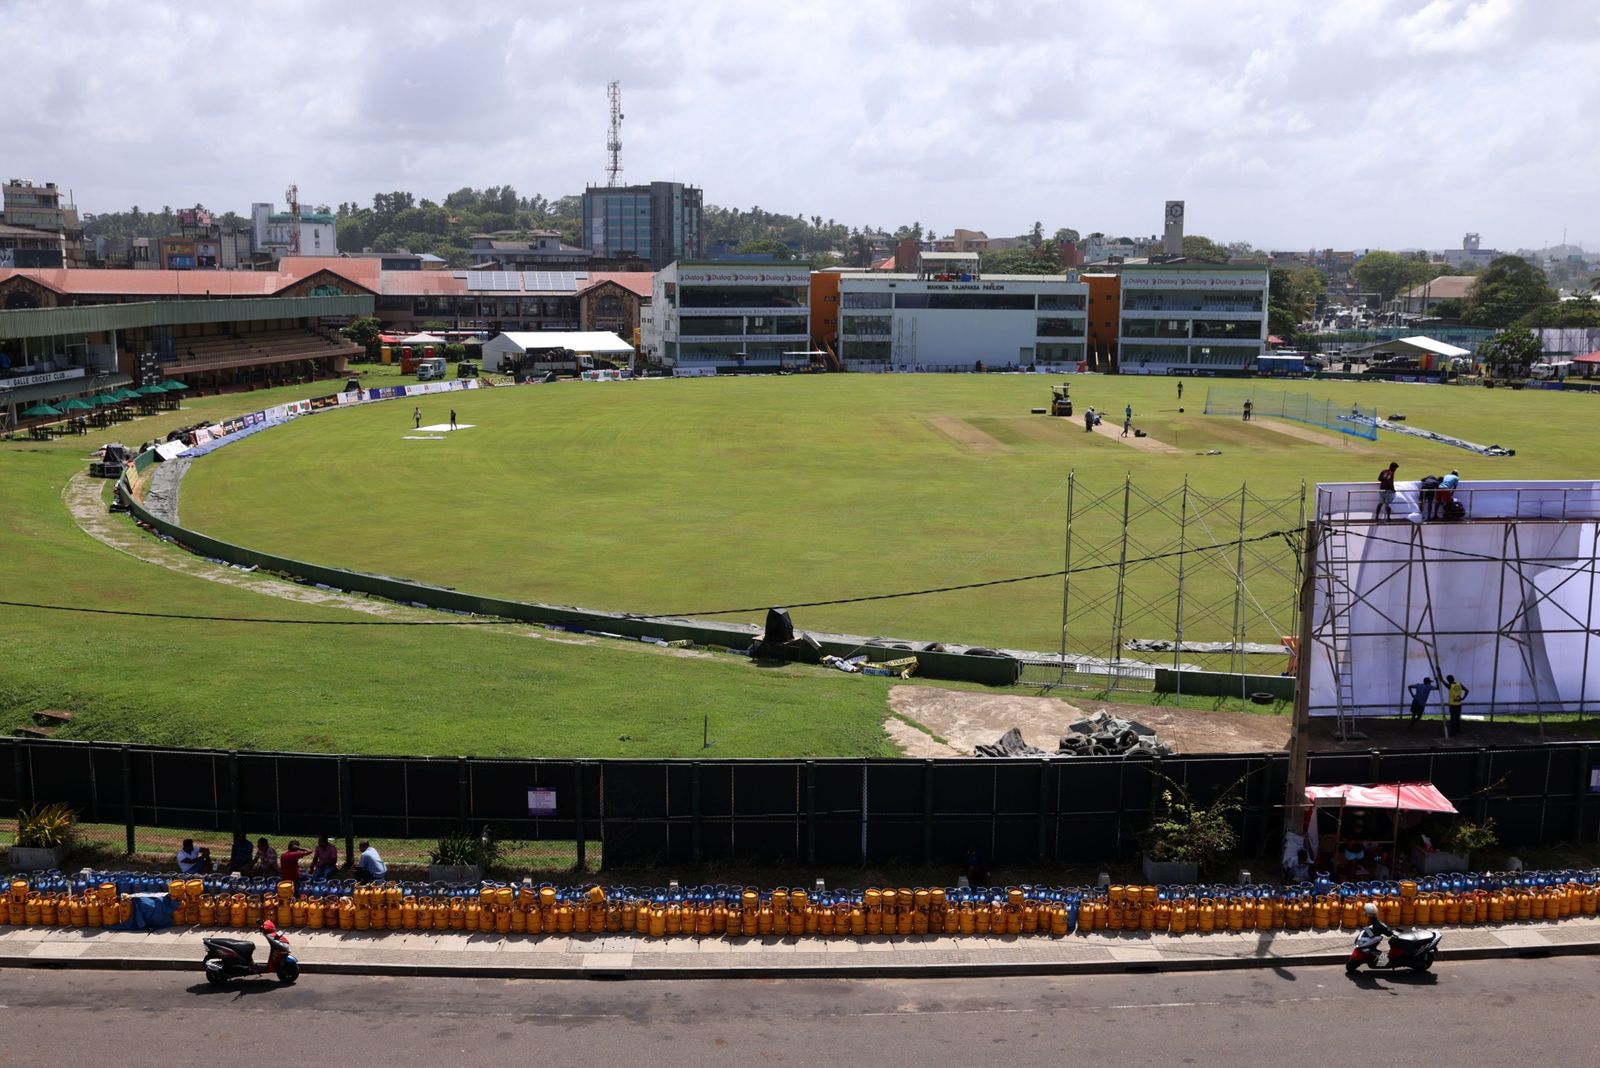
<point x="1172" y="242"/>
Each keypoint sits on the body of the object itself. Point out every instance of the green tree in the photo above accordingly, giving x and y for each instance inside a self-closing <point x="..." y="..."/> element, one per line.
<point x="1067" y="234"/>
<point x="1508" y="289"/>
<point x="1292" y="294"/>
<point x="363" y="331"/>
<point x="1203" y="249"/>
<point x="1448" y="308"/>
<point x="1510" y="351"/>
<point x="767" y="246"/>
<point x="1384" y="273"/>
<point x="1022" y="260"/>
<point x="1563" y="313"/>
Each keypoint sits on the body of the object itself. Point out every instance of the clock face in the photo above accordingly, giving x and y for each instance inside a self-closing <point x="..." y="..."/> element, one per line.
<point x="1175" y="211"/>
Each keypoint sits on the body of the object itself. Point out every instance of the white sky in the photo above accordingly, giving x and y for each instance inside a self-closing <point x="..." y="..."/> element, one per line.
<point x="1350" y="123"/>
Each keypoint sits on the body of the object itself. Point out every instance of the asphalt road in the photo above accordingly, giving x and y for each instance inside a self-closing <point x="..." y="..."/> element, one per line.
<point x="1467" y="1014"/>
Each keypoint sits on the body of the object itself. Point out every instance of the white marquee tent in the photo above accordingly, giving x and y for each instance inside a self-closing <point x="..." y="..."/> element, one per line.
<point x="583" y="342"/>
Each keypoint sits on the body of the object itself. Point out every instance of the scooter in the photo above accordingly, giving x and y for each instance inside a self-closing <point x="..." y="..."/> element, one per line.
<point x="1407" y="949"/>
<point x="229" y="958"/>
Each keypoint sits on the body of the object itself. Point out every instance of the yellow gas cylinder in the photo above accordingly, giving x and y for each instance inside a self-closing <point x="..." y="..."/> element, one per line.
<point x="471" y="912"/>
<point x="581" y="914"/>
<point x="456" y="915"/>
<point x="317" y="915"/>
<point x="284" y="916"/>
<point x="1057" y="915"/>
<point x="1496" y="908"/>
<point x="1524" y="907"/>
<point x="19" y="893"/>
<point x="1293" y="918"/>
<point x="1236" y="916"/>
<point x="1591" y="900"/>
<point x="47" y="910"/>
<point x="236" y="910"/>
<point x="1389" y="910"/>
<point x="1469" y="909"/>
<point x="706" y="920"/>
<point x="903" y="922"/>
<point x="501" y="896"/>
<point x="720" y="916"/>
<point x="1408" y="889"/>
<point x="1115" y="916"/>
<point x="1115" y="894"/>
<point x="1452" y="909"/>
<point x="286" y="890"/>
<point x="1566" y="901"/>
<point x="95" y="914"/>
<point x="502" y="920"/>
<point x="1163" y="917"/>
<point x="393" y="895"/>
<point x="1147" y="917"/>
<point x="764" y="920"/>
<point x="1205" y="916"/>
<point x="32" y="909"/>
<point x="858" y="922"/>
<point x="124" y="910"/>
<point x="5" y="909"/>
<point x="205" y="912"/>
<point x="919" y="923"/>
<point x="810" y="921"/>
<point x="1264" y="915"/>
<point x="252" y="912"/>
<point x="1013" y="921"/>
<point x="77" y="911"/>
<point x="1014" y="897"/>
<point x="828" y="922"/>
<point x="966" y="920"/>
<point x="486" y="920"/>
<point x="1536" y="906"/>
<point x="780" y="901"/>
<point x="1350" y="916"/>
<point x="408" y="914"/>
<point x="176" y="888"/>
<point x="1086" y="917"/>
<point x="656" y="923"/>
<point x="1424" y="909"/>
<point x="1319" y="915"/>
<point x="517" y="920"/>
<point x="1408" y="911"/>
<point x="980" y="920"/>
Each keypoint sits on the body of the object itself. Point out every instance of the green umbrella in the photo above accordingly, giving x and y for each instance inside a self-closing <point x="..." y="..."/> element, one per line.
<point x="149" y="391"/>
<point x="41" y="409"/>
<point x="173" y="385"/>
<point x="102" y="398"/>
<point x="125" y="395"/>
<point x="76" y="405"/>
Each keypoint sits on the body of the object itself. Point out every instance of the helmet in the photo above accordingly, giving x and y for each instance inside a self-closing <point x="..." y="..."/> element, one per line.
<point x="1371" y="910"/>
<point x="268" y="927"/>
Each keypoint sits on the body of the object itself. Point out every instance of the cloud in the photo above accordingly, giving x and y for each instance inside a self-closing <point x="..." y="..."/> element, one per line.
<point x="1358" y="123"/>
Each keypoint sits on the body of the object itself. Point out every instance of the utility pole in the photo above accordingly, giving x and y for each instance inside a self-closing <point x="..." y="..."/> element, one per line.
<point x="1299" y="730"/>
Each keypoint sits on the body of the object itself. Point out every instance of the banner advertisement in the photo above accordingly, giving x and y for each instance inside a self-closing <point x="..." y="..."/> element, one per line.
<point x="319" y="403"/>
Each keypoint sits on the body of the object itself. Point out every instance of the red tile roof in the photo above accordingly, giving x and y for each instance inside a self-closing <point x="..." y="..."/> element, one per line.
<point x="638" y="281"/>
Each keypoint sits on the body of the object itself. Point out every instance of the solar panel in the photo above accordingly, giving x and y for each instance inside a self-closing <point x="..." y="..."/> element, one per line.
<point x="552" y="281"/>
<point x="494" y="281"/>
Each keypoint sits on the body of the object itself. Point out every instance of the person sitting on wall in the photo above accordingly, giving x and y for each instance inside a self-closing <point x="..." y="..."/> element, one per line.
<point x="194" y="860"/>
<point x="266" y="859"/>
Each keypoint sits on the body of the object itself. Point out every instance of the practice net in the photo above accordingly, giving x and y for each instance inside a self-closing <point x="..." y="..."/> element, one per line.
<point x="1350" y="419"/>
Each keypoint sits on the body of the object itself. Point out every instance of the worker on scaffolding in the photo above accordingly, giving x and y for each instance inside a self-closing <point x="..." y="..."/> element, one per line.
<point x="1420" y="692"/>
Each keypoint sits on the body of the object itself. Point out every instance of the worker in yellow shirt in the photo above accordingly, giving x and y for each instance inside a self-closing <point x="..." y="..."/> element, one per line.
<point x="1455" y="694"/>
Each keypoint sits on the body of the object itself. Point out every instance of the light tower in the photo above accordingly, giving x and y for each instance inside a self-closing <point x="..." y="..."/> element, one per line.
<point x="293" y="197"/>
<point x="614" y="141"/>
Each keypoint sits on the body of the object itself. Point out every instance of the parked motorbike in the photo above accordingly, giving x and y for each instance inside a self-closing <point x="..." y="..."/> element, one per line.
<point x="229" y="958"/>
<point x="1414" y="950"/>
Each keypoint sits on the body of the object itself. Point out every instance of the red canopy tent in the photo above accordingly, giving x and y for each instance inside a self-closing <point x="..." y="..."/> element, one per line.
<point x="1381" y="797"/>
<point x="1407" y="796"/>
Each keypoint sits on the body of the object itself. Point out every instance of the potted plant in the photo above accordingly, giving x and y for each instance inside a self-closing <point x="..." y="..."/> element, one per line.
<point x="1456" y="847"/>
<point x="44" y="834"/>
<point x="462" y="858"/>
<point x="1185" y="838"/>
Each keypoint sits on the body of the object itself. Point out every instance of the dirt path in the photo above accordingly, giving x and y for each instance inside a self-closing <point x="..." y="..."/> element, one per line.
<point x="964" y="718"/>
<point x="82" y="495"/>
<point x="1146" y="444"/>
<point x="1305" y="433"/>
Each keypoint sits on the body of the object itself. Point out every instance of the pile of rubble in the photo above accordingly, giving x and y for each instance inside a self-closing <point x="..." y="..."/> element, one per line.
<point x="1101" y="734"/>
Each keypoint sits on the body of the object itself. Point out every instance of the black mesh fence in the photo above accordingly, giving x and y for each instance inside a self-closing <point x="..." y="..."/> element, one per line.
<point x="552" y="814"/>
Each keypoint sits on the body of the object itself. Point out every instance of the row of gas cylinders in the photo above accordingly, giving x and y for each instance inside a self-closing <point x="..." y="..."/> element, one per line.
<point x="98" y="906"/>
<point x="1149" y="908"/>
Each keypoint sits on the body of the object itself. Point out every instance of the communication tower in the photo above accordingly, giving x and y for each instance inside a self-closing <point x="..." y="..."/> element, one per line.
<point x="293" y="197"/>
<point x="614" y="140"/>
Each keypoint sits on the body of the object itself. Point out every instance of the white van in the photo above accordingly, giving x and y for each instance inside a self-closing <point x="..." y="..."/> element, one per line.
<point x="430" y="369"/>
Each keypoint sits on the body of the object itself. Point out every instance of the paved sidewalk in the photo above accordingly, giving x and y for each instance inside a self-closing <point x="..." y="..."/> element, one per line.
<point x="636" y="957"/>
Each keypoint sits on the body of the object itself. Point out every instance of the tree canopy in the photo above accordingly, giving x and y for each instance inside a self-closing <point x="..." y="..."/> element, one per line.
<point x="1292" y="294"/>
<point x="1389" y="274"/>
<point x="1205" y="250"/>
<point x="1510" y="288"/>
<point x="1509" y="349"/>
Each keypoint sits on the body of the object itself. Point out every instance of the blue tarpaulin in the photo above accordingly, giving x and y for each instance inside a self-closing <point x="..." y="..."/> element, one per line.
<point x="149" y="910"/>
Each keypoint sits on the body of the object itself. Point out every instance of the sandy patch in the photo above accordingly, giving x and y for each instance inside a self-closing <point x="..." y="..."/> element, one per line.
<point x="965" y="434"/>
<point x="966" y="718"/>
<point x="1305" y="433"/>
<point x="1107" y="429"/>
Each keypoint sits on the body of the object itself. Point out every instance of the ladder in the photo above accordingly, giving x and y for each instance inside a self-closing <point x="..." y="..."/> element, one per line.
<point x="1334" y="561"/>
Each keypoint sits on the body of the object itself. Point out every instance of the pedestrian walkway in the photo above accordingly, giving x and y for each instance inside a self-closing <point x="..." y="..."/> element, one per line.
<point x="638" y="957"/>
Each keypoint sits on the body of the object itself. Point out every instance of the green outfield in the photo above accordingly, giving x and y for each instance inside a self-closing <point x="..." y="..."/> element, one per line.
<point x="649" y="496"/>
<point x="668" y="496"/>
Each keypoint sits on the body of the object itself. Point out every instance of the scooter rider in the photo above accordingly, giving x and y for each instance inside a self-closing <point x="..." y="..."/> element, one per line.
<point x="1376" y="930"/>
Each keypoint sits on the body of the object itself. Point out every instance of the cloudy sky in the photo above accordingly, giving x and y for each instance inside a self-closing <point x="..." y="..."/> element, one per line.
<point x="1351" y="123"/>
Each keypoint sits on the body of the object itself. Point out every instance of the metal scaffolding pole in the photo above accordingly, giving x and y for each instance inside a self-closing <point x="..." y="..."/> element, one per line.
<point x="1066" y="576"/>
<point x="1183" y="545"/>
<point x="1115" y="659"/>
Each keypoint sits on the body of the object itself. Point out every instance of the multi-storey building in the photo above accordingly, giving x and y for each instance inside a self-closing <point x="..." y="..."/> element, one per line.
<point x="29" y="205"/>
<point x="272" y="232"/>
<point x="1192" y="319"/>
<point x="659" y="222"/>
<point x="949" y="317"/>
<point x="731" y="317"/>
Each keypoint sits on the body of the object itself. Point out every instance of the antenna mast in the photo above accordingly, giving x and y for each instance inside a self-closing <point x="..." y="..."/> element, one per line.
<point x="614" y="141"/>
<point x="293" y="197"/>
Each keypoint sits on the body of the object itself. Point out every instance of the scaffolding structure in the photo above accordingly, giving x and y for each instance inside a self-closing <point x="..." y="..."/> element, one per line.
<point x="1211" y="579"/>
<point x="1504" y="598"/>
